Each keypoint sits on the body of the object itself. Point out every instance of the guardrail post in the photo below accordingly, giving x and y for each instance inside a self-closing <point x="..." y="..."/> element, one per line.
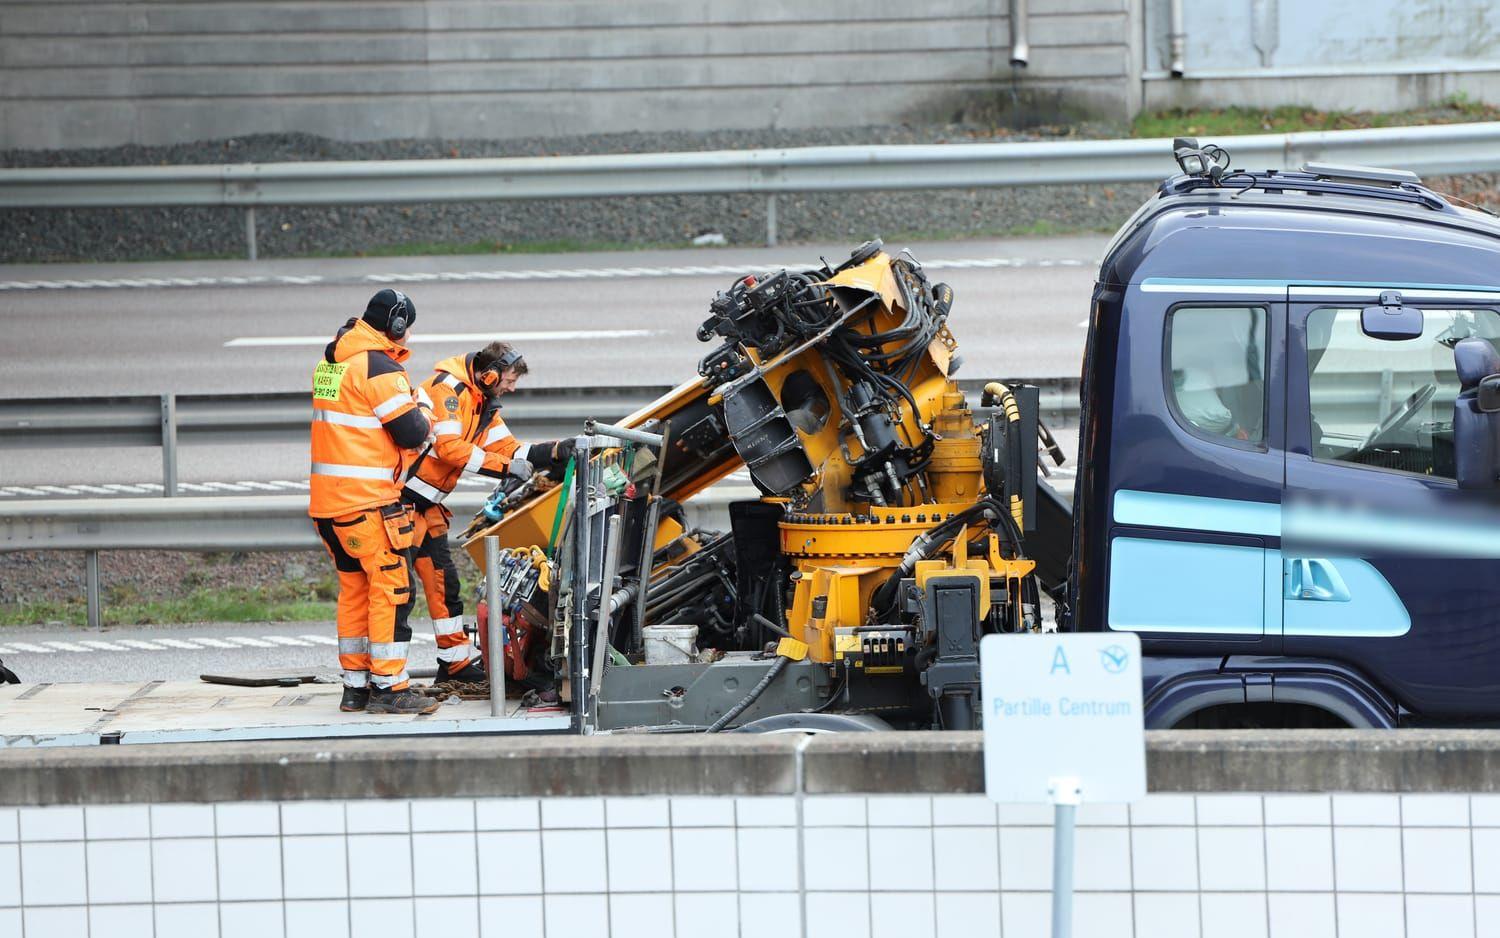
<point x="249" y="232"/>
<point x="494" y="646"/>
<point x="771" y="220"/>
<point x="91" y="587"/>
<point x="169" y="445"/>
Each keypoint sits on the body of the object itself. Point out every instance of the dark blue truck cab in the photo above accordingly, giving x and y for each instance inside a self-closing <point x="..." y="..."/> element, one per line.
<point x="1291" y="452"/>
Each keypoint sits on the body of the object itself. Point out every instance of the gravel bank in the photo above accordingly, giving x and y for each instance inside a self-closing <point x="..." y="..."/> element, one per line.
<point x="114" y="235"/>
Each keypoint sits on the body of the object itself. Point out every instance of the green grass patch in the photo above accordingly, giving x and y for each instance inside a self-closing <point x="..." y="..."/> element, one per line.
<point x="1291" y="118"/>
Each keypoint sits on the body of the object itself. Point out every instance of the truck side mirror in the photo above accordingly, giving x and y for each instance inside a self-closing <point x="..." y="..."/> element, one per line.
<point x="1476" y="415"/>
<point x="1488" y="397"/>
<point x="1390" y="320"/>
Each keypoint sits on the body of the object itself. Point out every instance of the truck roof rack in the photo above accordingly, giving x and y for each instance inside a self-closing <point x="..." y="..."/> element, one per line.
<point x="1319" y="179"/>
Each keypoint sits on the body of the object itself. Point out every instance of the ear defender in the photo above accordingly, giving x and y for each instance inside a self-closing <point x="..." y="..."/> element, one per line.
<point x="489" y="377"/>
<point x="400" y="316"/>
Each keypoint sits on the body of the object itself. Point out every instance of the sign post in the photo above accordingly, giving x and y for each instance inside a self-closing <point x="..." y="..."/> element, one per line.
<point x="1063" y="721"/>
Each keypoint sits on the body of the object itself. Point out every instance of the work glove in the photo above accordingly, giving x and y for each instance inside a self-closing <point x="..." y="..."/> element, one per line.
<point x="520" y="469"/>
<point x="550" y="455"/>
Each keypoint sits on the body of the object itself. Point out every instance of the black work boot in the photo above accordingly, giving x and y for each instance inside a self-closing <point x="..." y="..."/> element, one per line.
<point x="400" y="701"/>
<point x="471" y="673"/>
<point x="355" y="699"/>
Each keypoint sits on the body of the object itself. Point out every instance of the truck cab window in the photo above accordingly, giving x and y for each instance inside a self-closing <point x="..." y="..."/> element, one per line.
<point x="1388" y="404"/>
<point x="1216" y="366"/>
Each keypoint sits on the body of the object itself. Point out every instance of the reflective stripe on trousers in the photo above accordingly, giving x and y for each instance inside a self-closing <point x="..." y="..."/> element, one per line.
<point x="390" y="681"/>
<point x="388" y="651"/>
<point x="453" y="644"/>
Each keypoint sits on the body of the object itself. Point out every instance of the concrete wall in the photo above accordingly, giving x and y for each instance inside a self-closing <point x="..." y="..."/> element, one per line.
<point x="1332" y="54"/>
<point x="81" y="74"/>
<point x="1309" y="834"/>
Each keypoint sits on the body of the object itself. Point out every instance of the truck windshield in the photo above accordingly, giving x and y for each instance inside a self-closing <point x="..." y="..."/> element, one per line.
<point x="1388" y="404"/>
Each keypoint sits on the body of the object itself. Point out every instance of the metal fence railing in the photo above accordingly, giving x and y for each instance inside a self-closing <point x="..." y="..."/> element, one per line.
<point x="169" y="420"/>
<point x="222" y="523"/>
<point x="1435" y="149"/>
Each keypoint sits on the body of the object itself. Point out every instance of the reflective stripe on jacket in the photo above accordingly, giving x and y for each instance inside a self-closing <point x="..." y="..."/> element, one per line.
<point x="365" y="422"/>
<point x="467" y="436"/>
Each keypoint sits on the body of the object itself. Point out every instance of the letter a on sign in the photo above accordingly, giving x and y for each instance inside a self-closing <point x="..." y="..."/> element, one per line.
<point x="1060" y="662"/>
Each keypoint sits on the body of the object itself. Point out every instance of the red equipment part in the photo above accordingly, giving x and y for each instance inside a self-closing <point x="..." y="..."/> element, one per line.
<point x="520" y="637"/>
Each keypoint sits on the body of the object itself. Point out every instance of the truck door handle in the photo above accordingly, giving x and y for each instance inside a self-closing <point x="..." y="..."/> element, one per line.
<point x="1314" y="579"/>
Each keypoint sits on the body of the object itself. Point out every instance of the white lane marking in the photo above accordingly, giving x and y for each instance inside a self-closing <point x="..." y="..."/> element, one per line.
<point x="321" y="639"/>
<point x="179" y="643"/>
<point x="433" y="337"/>
<point x="248" y="641"/>
<point x="7" y="650"/>
<point x="143" y="646"/>
<point x="33" y="649"/>
<point x="104" y="646"/>
<point x="67" y="646"/>
<point x="286" y="640"/>
<point x="213" y="642"/>
<point x="574" y="273"/>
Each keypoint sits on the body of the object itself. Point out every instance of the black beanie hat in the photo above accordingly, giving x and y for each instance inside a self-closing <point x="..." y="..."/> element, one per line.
<point x="381" y="306"/>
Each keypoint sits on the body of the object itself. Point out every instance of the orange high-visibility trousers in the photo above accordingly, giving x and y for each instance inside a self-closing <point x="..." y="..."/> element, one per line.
<point x="439" y="575"/>
<point x="372" y="553"/>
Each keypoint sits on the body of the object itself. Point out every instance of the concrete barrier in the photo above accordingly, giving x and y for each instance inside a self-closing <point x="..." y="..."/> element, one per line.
<point x="629" y="765"/>
<point x="1294" y="833"/>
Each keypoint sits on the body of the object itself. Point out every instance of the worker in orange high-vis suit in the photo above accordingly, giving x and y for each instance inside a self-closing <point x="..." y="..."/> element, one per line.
<point x="366" y="423"/>
<point x="468" y="435"/>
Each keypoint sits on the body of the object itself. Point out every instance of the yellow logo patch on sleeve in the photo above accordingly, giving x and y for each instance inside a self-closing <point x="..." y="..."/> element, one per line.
<point x="326" y="380"/>
<point x="402" y="386"/>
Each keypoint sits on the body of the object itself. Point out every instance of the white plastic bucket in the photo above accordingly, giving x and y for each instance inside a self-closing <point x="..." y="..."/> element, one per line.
<point x="671" y="644"/>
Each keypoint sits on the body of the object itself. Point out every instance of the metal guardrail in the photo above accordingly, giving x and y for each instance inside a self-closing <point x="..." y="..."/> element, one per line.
<point x="170" y="420"/>
<point x="221" y="523"/>
<point x="1439" y="149"/>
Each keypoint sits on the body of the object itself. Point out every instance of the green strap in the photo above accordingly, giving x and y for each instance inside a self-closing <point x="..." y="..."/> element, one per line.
<point x="562" y="506"/>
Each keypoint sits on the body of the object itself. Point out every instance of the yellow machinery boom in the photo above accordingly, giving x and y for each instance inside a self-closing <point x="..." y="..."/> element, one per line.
<point x="889" y="530"/>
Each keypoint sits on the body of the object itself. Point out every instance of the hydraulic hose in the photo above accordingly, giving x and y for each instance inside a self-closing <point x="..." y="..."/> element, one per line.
<point x="926" y="543"/>
<point x="1007" y="400"/>
<point x="777" y="667"/>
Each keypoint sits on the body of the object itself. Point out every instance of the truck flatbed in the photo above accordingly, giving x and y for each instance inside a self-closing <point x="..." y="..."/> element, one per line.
<point x="33" y="715"/>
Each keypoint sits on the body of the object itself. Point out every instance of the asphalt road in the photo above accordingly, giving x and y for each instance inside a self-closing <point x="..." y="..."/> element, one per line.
<point x="576" y="330"/>
<point x="582" y="319"/>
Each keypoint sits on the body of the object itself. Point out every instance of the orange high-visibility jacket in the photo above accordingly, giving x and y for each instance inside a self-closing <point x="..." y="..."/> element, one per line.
<point x="467" y="435"/>
<point x="365" y="422"/>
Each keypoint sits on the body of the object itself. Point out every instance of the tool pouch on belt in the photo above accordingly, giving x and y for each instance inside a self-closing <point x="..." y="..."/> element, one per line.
<point x="400" y="525"/>
<point x="360" y="535"/>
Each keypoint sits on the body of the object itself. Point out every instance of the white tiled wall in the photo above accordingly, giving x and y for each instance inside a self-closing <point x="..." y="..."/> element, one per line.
<point x="1210" y="866"/>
